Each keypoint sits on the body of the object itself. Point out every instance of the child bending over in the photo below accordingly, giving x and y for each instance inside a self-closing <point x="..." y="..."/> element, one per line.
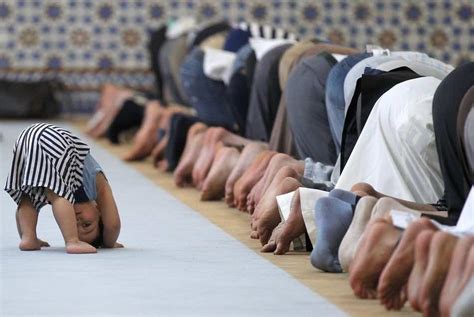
<point x="52" y="166"/>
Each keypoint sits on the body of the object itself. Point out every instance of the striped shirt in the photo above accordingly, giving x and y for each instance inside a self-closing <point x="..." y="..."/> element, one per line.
<point x="46" y="157"/>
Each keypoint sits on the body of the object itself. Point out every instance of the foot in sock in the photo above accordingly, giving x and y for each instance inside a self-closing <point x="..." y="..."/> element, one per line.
<point x="267" y="216"/>
<point x="194" y="140"/>
<point x="251" y="176"/>
<point x="332" y="218"/>
<point x="344" y="195"/>
<point x="147" y="136"/>
<point x="441" y="250"/>
<point x="374" y="251"/>
<point x="351" y="239"/>
<point x="395" y="275"/>
<point x="292" y="228"/>
<point x="460" y="268"/>
<point x="250" y="151"/>
<point x="214" y="185"/>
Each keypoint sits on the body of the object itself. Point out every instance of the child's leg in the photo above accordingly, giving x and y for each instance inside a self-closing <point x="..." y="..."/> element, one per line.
<point x="26" y="220"/>
<point x="65" y="217"/>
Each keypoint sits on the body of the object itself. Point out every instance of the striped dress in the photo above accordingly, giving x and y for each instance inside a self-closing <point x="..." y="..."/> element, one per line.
<point x="46" y="157"/>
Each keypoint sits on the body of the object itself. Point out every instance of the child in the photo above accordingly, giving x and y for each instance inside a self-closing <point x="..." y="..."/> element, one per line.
<point x="51" y="165"/>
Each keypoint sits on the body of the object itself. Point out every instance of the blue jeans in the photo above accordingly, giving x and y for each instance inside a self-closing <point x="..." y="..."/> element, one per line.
<point x="206" y="96"/>
<point x="335" y="103"/>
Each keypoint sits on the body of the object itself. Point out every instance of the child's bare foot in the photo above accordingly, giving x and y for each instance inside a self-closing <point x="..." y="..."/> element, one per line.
<point x="214" y="185"/>
<point x="79" y="247"/>
<point x="375" y="249"/>
<point x="34" y="244"/>
<point x="248" y="154"/>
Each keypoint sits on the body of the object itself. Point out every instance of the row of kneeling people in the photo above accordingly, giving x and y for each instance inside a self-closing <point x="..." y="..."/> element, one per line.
<point x="362" y="156"/>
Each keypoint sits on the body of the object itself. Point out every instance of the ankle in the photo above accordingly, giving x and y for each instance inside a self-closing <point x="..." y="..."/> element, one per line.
<point x="72" y="241"/>
<point x="29" y="237"/>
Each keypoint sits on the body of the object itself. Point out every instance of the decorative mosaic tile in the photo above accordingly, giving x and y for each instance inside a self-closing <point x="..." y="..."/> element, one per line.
<point x="88" y="42"/>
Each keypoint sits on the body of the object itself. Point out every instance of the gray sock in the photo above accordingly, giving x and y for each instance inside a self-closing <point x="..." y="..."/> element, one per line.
<point x="332" y="217"/>
<point x="344" y="195"/>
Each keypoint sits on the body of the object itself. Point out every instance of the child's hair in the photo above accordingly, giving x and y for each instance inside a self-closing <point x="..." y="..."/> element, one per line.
<point x="99" y="240"/>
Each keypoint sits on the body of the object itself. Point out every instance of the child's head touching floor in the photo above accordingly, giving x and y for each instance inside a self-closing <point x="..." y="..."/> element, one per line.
<point x="52" y="166"/>
<point x="89" y="225"/>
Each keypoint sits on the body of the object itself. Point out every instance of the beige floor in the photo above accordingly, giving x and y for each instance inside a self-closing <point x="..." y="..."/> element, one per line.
<point x="333" y="287"/>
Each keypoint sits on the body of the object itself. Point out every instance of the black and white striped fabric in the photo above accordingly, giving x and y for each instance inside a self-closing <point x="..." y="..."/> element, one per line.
<point x="266" y="31"/>
<point x="46" y="157"/>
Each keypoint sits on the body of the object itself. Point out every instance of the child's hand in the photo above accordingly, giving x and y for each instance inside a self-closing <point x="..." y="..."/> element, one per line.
<point x="118" y="245"/>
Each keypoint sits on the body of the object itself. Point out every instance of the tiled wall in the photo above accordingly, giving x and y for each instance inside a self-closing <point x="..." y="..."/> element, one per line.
<point x="89" y="42"/>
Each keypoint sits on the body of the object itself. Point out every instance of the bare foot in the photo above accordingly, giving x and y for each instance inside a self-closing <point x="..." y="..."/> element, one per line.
<point x="397" y="271"/>
<point x="353" y="235"/>
<point x="272" y="242"/>
<point x="277" y="162"/>
<point x="159" y="151"/>
<point x="293" y="227"/>
<point x="32" y="244"/>
<point x="374" y="251"/>
<point x="79" y="247"/>
<point x="455" y="281"/>
<point x="112" y="98"/>
<point x="250" y="177"/>
<point x="441" y="250"/>
<point x="214" y="185"/>
<point x="251" y="200"/>
<point x="422" y="248"/>
<point x="248" y="154"/>
<point x="268" y="216"/>
<point x="194" y="140"/>
<point x="212" y="137"/>
<point x="147" y="136"/>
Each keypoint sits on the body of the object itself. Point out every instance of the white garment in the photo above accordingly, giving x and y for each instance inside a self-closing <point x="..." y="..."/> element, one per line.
<point x="465" y="225"/>
<point x="179" y="27"/>
<point x="438" y="68"/>
<point x="218" y="64"/>
<point x="263" y="46"/>
<point x="419" y="68"/>
<point x="308" y="198"/>
<point x="396" y="151"/>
